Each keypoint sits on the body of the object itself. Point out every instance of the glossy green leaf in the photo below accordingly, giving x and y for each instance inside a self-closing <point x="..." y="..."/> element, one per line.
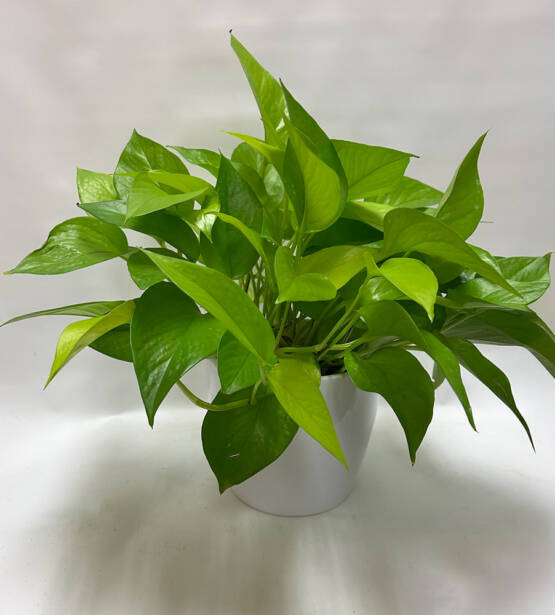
<point x="528" y="275"/>
<point x="379" y="289"/>
<point x="169" y="336"/>
<point x="204" y="158"/>
<point x="322" y="198"/>
<point x="249" y="156"/>
<point x="294" y="286"/>
<point x="239" y="443"/>
<point x="343" y="232"/>
<point x="237" y="198"/>
<point x="222" y="298"/>
<point x="229" y="251"/>
<point x="266" y="90"/>
<point x="93" y="187"/>
<point x="74" y="244"/>
<point x="273" y="154"/>
<point x="462" y="204"/>
<point x="447" y="362"/>
<point x="370" y="213"/>
<point x="508" y="328"/>
<point x="496" y="381"/>
<point x="143" y="271"/>
<point x="145" y="196"/>
<point x="159" y="224"/>
<point x="142" y="154"/>
<point x="80" y="334"/>
<point x="92" y="308"/>
<point x="317" y="139"/>
<point x="410" y="230"/>
<point x="295" y="382"/>
<point x="115" y="344"/>
<point x="410" y="193"/>
<point x="399" y="378"/>
<point x="370" y="170"/>
<point x="237" y="367"/>
<point x="413" y="278"/>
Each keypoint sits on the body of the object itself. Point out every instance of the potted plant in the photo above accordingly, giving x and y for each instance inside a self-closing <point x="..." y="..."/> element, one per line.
<point x="312" y="268"/>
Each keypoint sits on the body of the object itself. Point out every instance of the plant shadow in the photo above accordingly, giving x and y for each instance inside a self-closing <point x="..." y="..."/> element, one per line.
<point x="151" y="535"/>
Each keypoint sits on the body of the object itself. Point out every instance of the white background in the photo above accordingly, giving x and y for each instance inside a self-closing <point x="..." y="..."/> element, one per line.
<point x="100" y="514"/>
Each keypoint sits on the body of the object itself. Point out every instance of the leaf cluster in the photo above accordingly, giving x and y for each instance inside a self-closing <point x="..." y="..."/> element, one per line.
<point x="304" y="256"/>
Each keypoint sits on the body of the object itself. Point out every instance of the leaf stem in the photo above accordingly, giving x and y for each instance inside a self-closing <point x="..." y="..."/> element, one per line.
<point x="207" y="406"/>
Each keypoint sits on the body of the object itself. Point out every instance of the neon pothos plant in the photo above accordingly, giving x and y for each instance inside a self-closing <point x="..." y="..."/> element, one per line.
<point x="305" y="256"/>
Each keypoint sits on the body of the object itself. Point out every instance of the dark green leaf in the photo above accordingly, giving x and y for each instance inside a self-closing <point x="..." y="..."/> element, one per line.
<point x="508" y="328"/>
<point x="462" y="205"/>
<point x="496" y="381"/>
<point x="169" y="335"/>
<point x="237" y="198"/>
<point x="143" y="271"/>
<point x="399" y="378"/>
<point x="220" y="296"/>
<point x="239" y="443"/>
<point x="143" y="154"/>
<point x="159" y="224"/>
<point x="74" y="244"/>
<point x="115" y="344"/>
<point x="342" y="232"/>
<point x="237" y="367"/>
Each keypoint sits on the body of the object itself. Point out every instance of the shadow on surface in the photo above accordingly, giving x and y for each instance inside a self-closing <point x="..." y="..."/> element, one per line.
<point x="153" y="536"/>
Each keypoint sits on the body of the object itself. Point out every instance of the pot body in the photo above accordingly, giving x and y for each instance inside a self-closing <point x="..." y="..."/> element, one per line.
<point x="306" y="479"/>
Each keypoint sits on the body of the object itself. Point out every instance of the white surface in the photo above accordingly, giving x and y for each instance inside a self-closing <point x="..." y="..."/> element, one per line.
<point x="99" y="514"/>
<point x="306" y="479"/>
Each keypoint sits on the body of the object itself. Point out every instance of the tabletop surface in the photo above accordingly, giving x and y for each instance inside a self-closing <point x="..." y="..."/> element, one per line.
<point x="102" y="515"/>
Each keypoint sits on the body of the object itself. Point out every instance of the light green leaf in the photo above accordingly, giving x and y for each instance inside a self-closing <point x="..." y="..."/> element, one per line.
<point x="462" y="205"/>
<point x="379" y="289"/>
<point x="237" y="367"/>
<point x="496" y="381"/>
<point x="413" y="278"/>
<point x="410" y="193"/>
<point x="204" y="158"/>
<point x="267" y="93"/>
<point x="372" y="214"/>
<point x="247" y="155"/>
<point x="169" y="335"/>
<point x="321" y="196"/>
<point x="92" y="308"/>
<point x="74" y="244"/>
<point x="80" y="334"/>
<point x="159" y="224"/>
<point x="239" y="443"/>
<point x="228" y="303"/>
<point x="410" y="230"/>
<point x="399" y="378"/>
<point x="370" y="170"/>
<point x="93" y="187"/>
<point x="142" y="154"/>
<point x="295" y="383"/>
<point x="273" y="154"/>
<point x="145" y="196"/>
<point x="294" y="286"/>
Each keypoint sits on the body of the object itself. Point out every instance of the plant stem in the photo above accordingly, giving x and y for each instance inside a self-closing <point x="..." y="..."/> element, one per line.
<point x="283" y="321"/>
<point x="213" y="407"/>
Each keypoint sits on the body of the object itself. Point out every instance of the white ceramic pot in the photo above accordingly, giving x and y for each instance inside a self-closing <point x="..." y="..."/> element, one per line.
<point x="306" y="479"/>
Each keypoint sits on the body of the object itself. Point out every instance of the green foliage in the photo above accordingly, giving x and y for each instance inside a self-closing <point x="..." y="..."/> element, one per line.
<point x="304" y="256"/>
